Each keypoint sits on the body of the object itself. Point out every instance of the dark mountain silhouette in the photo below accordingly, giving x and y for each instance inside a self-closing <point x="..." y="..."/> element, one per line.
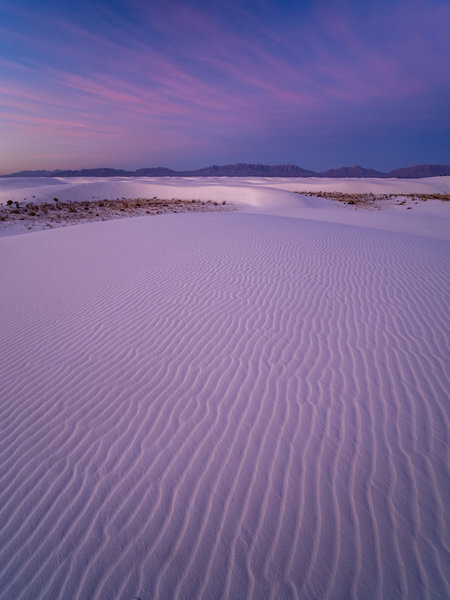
<point x="154" y="172"/>
<point x="103" y="172"/>
<point x="252" y="170"/>
<point x="355" y="171"/>
<point x="420" y="171"/>
<point x="42" y="173"/>
<point x="244" y="170"/>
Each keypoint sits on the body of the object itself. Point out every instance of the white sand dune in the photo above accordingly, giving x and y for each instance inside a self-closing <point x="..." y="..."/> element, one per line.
<point x="276" y="196"/>
<point x="237" y="405"/>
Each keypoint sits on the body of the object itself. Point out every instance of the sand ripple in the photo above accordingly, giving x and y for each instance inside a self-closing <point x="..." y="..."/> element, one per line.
<point x="224" y="406"/>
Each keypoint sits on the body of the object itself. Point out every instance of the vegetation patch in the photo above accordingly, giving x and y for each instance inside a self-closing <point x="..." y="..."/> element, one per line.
<point x="45" y="215"/>
<point x="370" y="200"/>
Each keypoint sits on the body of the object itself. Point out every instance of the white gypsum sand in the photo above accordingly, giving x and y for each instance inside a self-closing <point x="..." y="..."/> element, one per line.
<point x="275" y="196"/>
<point x="251" y="404"/>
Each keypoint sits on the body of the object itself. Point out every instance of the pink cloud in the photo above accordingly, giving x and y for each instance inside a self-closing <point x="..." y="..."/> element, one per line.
<point x="179" y="72"/>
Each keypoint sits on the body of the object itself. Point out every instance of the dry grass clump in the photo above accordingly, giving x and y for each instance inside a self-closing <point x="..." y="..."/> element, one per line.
<point x="59" y="212"/>
<point x="370" y="200"/>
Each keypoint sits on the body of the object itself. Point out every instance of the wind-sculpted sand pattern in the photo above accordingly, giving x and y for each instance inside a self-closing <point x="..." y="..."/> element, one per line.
<point x="224" y="406"/>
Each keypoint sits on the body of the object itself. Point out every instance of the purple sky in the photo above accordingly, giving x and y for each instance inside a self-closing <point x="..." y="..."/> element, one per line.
<point x="186" y="84"/>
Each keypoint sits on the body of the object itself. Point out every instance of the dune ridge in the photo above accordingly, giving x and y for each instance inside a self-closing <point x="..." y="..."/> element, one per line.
<point x="261" y="195"/>
<point x="224" y="406"/>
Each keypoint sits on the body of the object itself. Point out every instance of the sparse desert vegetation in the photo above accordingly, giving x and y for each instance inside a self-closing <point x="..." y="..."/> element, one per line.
<point x="370" y="200"/>
<point x="59" y="213"/>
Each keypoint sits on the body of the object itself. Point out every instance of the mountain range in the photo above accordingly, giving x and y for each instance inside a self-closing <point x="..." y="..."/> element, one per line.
<point x="245" y="170"/>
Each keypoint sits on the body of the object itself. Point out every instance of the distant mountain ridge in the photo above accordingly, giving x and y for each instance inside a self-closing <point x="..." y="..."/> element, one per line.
<point x="353" y="172"/>
<point x="421" y="171"/>
<point x="245" y="170"/>
<point x="252" y="170"/>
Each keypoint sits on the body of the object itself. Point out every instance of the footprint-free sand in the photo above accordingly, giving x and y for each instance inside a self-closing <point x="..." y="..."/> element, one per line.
<point x="240" y="405"/>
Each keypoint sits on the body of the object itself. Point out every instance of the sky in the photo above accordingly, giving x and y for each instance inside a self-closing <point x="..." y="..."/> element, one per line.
<point x="133" y="84"/>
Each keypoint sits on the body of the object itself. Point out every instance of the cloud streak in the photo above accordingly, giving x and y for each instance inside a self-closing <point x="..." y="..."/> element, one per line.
<point x="221" y="77"/>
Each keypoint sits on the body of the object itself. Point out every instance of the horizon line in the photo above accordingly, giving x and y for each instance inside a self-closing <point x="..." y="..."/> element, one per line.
<point x="187" y="172"/>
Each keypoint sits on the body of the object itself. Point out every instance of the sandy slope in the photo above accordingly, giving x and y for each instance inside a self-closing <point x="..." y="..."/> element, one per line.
<point x="224" y="406"/>
<point x="275" y="196"/>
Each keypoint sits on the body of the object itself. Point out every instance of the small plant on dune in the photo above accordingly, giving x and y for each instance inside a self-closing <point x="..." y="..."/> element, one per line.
<point x="9" y="202"/>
